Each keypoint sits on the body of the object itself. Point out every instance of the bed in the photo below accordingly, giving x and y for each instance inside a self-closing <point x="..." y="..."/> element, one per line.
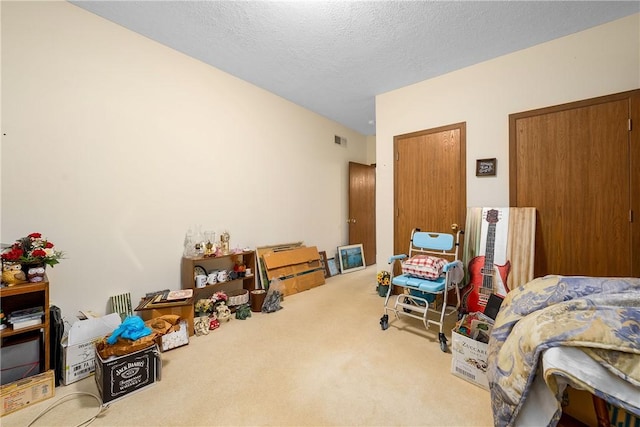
<point x="564" y="330"/>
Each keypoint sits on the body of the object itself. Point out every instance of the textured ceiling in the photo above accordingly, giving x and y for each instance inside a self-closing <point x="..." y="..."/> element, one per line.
<point x="334" y="57"/>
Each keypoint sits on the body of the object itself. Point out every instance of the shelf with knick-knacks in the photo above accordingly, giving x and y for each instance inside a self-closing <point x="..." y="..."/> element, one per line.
<point x="209" y="274"/>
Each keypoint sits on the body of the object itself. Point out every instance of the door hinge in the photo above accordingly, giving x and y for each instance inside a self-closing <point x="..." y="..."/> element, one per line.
<point x="629" y="124"/>
<point x="397" y="212"/>
<point x="630" y="215"/>
<point x="397" y="156"/>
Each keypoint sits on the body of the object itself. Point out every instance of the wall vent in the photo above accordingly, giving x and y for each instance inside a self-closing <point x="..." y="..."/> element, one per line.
<point x="340" y="140"/>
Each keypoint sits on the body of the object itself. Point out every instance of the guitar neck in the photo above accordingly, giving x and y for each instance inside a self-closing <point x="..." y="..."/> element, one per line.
<point x="491" y="244"/>
<point x="487" y="273"/>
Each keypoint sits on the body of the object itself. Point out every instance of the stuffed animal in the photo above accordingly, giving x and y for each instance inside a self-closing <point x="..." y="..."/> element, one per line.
<point x="12" y="274"/>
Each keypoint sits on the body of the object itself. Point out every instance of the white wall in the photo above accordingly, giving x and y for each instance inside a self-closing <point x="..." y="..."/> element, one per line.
<point x="114" y="145"/>
<point x="599" y="61"/>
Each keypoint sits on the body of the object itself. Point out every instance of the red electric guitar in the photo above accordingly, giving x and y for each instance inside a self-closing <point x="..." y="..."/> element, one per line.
<point x="483" y="272"/>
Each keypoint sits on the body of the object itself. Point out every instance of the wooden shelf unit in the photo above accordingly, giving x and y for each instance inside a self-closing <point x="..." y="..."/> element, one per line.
<point x="222" y="262"/>
<point x="23" y="296"/>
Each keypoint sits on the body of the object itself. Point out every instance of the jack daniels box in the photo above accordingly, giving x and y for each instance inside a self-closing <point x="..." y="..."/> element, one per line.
<point x="117" y="377"/>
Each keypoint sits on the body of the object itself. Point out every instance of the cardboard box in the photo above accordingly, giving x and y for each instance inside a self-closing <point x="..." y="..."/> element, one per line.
<point x="22" y="393"/>
<point x="78" y="348"/>
<point x="182" y="309"/>
<point x="175" y="339"/>
<point x="469" y="360"/>
<point x="117" y="377"/>
<point x="302" y="282"/>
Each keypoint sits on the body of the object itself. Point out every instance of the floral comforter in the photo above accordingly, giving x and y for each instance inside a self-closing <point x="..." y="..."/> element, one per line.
<point x="600" y="316"/>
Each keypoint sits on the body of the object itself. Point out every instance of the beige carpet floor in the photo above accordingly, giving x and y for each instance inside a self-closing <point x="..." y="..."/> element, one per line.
<point x="322" y="360"/>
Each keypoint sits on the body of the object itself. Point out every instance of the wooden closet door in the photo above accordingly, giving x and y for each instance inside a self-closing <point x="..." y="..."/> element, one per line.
<point x="429" y="182"/>
<point x="573" y="164"/>
<point x="362" y="209"/>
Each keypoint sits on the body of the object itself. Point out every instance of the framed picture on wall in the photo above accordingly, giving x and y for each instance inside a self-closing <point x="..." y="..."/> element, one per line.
<point x="486" y="167"/>
<point x="351" y="258"/>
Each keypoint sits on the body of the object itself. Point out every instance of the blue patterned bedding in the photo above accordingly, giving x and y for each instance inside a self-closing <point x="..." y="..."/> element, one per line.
<point x="599" y="316"/>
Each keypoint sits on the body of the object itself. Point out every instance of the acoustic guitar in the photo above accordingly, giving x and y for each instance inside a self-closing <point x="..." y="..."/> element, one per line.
<point x="486" y="277"/>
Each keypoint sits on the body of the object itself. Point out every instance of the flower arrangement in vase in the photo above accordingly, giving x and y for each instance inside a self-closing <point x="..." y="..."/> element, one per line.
<point x="33" y="253"/>
<point x="384" y="280"/>
<point x="209" y="307"/>
<point x="204" y="307"/>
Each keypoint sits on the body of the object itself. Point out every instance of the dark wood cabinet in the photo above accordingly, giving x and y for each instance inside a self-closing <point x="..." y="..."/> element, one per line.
<point x="25" y="296"/>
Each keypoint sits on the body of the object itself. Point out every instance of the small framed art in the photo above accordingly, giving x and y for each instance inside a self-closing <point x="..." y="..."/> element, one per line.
<point x="333" y="267"/>
<point x="323" y="262"/>
<point x="351" y="258"/>
<point x="486" y="167"/>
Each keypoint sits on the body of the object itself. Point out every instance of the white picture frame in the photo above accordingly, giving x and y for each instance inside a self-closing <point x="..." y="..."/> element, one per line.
<point x="351" y="258"/>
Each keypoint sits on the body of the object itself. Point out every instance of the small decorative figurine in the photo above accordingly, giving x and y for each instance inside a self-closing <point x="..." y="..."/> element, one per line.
<point x="243" y="311"/>
<point x="36" y="274"/>
<point x="12" y="274"/>
<point x="209" y="246"/>
<point x="224" y="241"/>
<point x="223" y="313"/>
<point x="214" y="323"/>
<point x="201" y="325"/>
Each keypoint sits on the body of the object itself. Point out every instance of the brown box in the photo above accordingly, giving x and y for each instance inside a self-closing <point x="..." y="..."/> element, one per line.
<point x="299" y="269"/>
<point x="22" y="393"/>
<point x="182" y="309"/>
<point x="303" y="282"/>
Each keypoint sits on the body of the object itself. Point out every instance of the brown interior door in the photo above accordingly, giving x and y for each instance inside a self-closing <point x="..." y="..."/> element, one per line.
<point x="362" y="209"/>
<point x="429" y="182"/>
<point x="574" y="164"/>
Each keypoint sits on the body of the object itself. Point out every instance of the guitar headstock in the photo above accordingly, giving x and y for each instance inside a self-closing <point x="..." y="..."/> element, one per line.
<point x="492" y="216"/>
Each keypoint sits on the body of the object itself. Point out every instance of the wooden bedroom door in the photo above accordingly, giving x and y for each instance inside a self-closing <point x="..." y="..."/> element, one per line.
<point x="578" y="164"/>
<point x="429" y="182"/>
<point x="362" y="209"/>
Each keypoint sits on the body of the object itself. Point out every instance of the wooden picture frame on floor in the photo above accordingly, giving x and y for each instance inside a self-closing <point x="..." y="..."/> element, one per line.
<point x="323" y="262"/>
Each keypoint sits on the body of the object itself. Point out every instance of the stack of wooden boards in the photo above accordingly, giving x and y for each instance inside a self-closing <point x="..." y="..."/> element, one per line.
<point x="298" y="267"/>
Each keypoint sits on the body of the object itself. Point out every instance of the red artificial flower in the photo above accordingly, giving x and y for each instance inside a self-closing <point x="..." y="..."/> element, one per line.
<point x="39" y="253"/>
<point x="13" y="255"/>
<point x="35" y="235"/>
<point x="48" y="245"/>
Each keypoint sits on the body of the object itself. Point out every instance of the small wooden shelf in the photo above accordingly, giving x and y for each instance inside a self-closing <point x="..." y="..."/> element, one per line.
<point x="22" y="296"/>
<point x="223" y="262"/>
<point x="8" y="332"/>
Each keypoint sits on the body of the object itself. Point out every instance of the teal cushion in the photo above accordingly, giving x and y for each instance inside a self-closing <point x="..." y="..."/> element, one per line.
<point x="421" y="284"/>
